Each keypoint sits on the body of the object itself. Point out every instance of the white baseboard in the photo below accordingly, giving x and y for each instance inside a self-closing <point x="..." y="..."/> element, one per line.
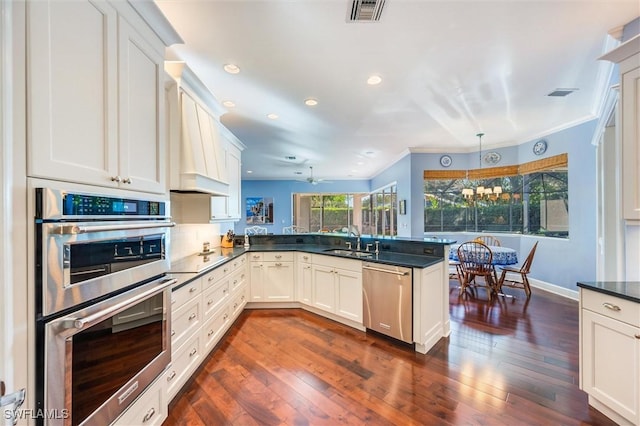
<point x="555" y="289"/>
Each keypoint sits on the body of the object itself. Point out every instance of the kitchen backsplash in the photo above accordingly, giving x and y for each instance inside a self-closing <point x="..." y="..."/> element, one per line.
<point x="187" y="239"/>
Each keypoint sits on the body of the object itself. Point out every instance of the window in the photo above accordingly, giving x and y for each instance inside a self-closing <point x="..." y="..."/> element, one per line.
<point x="533" y="201"/>
<point x="372" y="214"/>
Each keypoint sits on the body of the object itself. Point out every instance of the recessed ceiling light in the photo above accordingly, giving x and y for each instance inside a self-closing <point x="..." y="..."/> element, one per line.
<point x="374" y="79"/>
<point x="360" y="163"/>
<point x="272" y="116"/>
<point x="249" y="172"/>
<point x="310" y="102"/>
<point x="231" y="68"/>
<point x="229" y="104"/>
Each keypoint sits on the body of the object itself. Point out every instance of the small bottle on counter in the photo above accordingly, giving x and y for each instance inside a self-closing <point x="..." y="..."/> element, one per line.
<point x="246" y="241"/>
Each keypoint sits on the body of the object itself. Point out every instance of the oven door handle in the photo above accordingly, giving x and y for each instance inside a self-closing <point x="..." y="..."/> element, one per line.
<point x="80" y="323"/>
<point x="86" y="229"/>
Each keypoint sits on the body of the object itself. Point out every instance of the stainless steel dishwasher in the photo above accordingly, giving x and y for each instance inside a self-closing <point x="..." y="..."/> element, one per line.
<point x="387" y="306"/>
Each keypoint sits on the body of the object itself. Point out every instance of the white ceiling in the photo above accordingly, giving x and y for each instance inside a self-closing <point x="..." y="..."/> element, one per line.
<point x="450" y="69"/>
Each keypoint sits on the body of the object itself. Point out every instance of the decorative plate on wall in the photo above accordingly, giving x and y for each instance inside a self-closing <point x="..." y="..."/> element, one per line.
<point x="445" y="161"/>
<point x="492" y="158"/>
<point x="540" y="147"/>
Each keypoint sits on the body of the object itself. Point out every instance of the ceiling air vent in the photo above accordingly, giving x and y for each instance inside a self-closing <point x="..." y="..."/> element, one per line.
<point x="562" y="92"/>
<point x="366" y="10"/>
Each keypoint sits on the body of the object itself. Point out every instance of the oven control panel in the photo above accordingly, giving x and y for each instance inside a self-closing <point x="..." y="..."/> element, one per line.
<point x="92" y="205"/>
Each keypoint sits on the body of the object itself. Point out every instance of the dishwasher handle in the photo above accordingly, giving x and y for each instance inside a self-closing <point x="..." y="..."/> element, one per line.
<point x="388" y="271"/>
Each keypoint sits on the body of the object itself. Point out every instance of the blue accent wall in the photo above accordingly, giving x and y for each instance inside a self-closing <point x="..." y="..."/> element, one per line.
<point x="281" y="191"/>
<point x="558" y="261"/>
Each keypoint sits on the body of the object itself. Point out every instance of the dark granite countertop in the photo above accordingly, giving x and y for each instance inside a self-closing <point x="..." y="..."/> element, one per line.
<point x="629" y="290"/>
<point x="387" y="257"/>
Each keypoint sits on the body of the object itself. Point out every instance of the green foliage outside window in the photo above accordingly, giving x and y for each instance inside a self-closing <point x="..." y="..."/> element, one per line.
<point x="535" y="203"/>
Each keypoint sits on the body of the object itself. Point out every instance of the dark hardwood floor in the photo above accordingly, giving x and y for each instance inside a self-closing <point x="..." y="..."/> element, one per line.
<point x="505" y="363"/>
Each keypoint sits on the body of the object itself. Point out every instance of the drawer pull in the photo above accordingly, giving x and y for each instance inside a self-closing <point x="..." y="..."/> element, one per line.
<point x="235" y="282"/>
<point x="225" y="317"/>
<point x="235" y="305"/>
<point x="210" y="333"/>
<point x="173" y="332"/>
<point x="278" y="256"/>
<point x="224" y="290"/>
<point x="278" y="264"/>
<point x="226" y="270"/>
<point x="210" y="302"/>
<point x="148" y="416"/>
<point x="192" y="316"/>
<point x="193" y="352"/>
<point x="171" y="376"/>
<point x="192" y="289"/>
<point x="211" y="279"/>
<point x="611" y="306"/>
<point x="637" y="336"/>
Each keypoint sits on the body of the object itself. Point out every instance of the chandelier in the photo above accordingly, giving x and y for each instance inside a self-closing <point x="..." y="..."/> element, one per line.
<point x="480" y="191"/>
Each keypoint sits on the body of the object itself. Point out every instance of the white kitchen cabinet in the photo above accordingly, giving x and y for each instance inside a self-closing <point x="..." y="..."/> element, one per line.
<point x="304" y="279"/>
<point x="150" y="409"/>
<point x="627" y="55"/>
<point x="272" y="277"/>
<point x="229" y="208"/>
<point x="337" y="286"/>
<point x="185" y="360"/>
<point x="95" y="96"/>
<point x="430" y="306"/>
<point x="610" y="355"/>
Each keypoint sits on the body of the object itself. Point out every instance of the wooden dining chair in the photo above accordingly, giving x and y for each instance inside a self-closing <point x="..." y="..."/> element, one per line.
<point x="476" y="261"/>
<point x="488" y="240"/>
<point x="520" y="280"/>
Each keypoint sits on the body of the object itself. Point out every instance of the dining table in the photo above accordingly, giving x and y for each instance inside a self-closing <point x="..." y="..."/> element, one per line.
<point x="501" y="255"/>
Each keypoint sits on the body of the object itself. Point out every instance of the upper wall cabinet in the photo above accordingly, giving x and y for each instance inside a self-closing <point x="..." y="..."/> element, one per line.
<point x="197" y="155"/>
<point x="229" y="208"/>
<point x="95" y="94"/>
<point x="628" y="56"/>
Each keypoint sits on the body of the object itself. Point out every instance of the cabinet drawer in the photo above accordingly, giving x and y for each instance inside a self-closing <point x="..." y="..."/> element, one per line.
<point x="256" y="256"/>
<point x="183" y="294"/>
<point x="185" y="321"/>
<point x="211" y="278"/>
<point x="214" y="328"/>
<point x="149" y="409"/>
<point x="215" y="297"/>
<point x="238" y="263"/>
<point x="337" y="262"/>
<point x="238" y="302"/>
<point x="612" y="307"/>
<point x="237" y="280"/>
<point x="185" y="360"/>
<point x="278" y="256"/>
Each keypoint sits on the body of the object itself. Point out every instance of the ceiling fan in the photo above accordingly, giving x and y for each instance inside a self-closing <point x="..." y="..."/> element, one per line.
<point x="311" y="179"/>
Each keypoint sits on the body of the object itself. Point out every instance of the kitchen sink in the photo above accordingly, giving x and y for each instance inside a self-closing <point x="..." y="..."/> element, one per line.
<point x="349" y="253"/>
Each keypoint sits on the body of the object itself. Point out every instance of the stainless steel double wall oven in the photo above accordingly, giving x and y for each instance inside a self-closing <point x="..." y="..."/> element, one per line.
<point x="102" y="303"/>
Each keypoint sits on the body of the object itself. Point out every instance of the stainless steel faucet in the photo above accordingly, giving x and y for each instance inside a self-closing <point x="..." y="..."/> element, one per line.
<point x="358" y="245"/>
<point x="377" y="247"/>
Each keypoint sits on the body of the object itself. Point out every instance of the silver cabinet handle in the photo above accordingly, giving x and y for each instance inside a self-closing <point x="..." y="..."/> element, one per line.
<point x="116" y="179"/>
<point x="637" y="336"/>
<point x="611" y="306"/>
<point x="278" y="264"/>
<point x="173" y="333"/>
<point x="148" y="416"/>
<point x="192" y="289"/>
<point x="192" y="316"/>
<point x="371" y="268"/>
<point x="171" y="376"/>
<point x="127" y="180"/>
<point x="210" y="333"/>
<point x="193" y="352"/>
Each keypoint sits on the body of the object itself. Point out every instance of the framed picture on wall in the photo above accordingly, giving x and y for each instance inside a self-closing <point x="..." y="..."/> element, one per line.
<point x="259" y="210"/>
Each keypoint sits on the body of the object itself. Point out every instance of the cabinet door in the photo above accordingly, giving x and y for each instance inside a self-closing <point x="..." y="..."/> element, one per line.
<point x="349" y="294"/>
<point x="278" y="281"/>
<point x="305" y="280"/>
<point x="142" y="146"/>
<point x="72" y="91"/>
<point x="234" y="171"/>
<point x="324" y="293"/>
<point x="611" y="363"/>
<point x="630" y="79"/>
<point x="210" y="143"/>
<point x="256" y="277"/>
